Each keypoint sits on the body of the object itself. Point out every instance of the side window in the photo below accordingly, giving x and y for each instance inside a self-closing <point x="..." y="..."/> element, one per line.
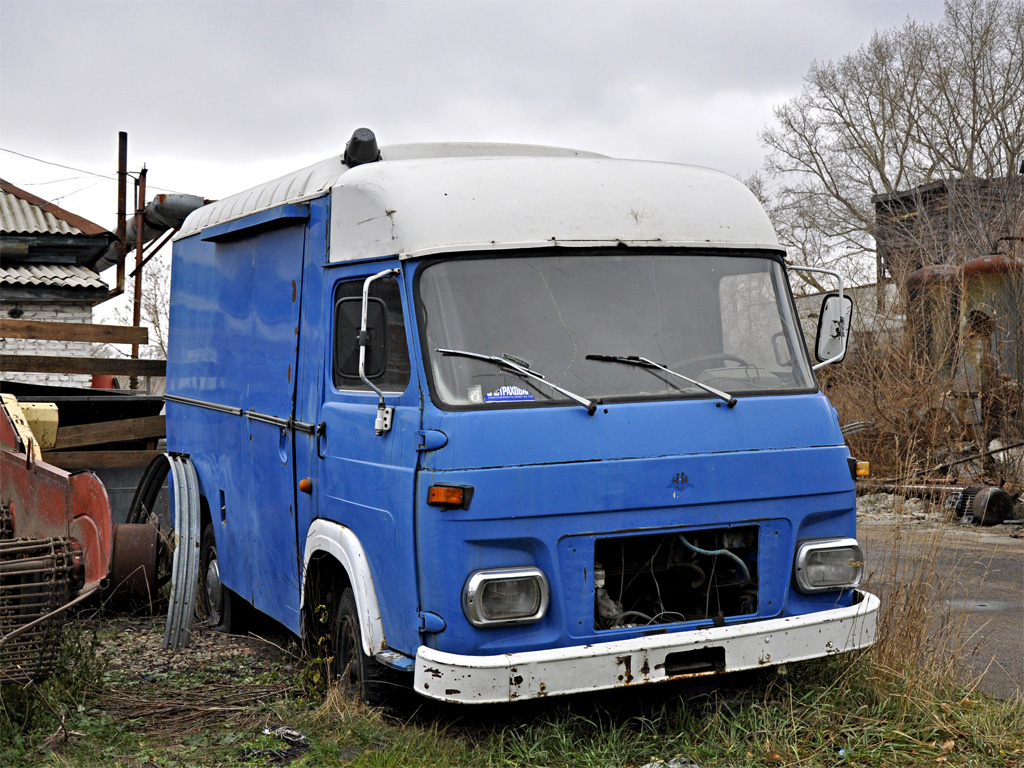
<point x="387" y="361"/>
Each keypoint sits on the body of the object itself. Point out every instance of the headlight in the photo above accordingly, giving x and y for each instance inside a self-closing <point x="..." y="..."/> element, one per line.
<point x="505" y="596"/>
<point x="828" y="565"/>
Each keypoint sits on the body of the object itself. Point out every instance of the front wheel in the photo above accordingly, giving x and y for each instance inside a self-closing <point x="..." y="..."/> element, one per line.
<point x="360" y="674"/>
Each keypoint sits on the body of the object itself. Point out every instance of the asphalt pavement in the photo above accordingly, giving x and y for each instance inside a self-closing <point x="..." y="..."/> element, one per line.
<point x="980" y="588"/>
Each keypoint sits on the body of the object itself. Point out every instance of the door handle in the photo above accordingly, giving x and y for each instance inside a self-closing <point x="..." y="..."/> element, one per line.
<point x="321" y="430"/>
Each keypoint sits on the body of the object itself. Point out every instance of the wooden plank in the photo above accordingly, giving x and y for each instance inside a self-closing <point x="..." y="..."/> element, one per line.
<point x="116" y="366"/>
<point x="99" y="459"/>
<point x="43" y="329"/>
<point x="118" y="431"/>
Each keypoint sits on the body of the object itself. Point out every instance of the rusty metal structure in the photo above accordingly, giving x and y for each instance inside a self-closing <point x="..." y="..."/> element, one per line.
<point x="968" y="321"/>
<point x="58" y="546"/>
<point x="59" y="543"/>
<point x="954" y="248"/>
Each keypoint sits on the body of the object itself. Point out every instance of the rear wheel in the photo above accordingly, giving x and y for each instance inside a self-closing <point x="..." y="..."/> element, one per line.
<point x="362" y="675"/>
<point x="217" y="601"/>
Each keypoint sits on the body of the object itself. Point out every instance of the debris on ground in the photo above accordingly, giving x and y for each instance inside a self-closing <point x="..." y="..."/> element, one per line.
<point x="218" y="678"/>
<point x="917" y="511"/>
<point x="675" y="762"/>
<point x="886" y="507"/>
<point x="291" y="735"/>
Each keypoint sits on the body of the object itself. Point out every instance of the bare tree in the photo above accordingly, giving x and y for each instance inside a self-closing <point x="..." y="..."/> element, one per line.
<point x="905" y="157"/>
<point x="916" y="104"/>
<point x="156" y="301"/>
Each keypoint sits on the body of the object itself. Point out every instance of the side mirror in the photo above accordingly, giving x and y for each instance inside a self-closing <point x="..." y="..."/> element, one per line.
<point x="833" y="328"/>
<point x="348" y="320"/>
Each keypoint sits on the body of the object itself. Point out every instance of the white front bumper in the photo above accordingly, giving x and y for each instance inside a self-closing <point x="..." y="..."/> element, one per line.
<point x="620" y="663"/>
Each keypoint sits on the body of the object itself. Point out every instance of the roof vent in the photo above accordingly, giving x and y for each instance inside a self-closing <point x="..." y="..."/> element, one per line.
<point x="361" y="148"/>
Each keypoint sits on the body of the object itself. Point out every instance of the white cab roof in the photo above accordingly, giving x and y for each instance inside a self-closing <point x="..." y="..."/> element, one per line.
<point x="428" y="199"/>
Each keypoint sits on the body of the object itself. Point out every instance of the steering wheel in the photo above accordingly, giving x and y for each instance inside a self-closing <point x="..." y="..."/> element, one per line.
<point x="723" y="356"/>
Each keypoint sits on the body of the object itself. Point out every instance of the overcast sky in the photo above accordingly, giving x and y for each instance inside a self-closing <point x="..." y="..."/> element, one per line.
<point x="218" y="96"/>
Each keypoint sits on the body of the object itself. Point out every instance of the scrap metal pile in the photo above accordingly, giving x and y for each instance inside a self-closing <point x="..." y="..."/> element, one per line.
<point x="57" y="548"/>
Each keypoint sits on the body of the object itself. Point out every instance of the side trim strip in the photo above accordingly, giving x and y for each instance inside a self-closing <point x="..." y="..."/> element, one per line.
<point x="300" y="426"/>
<point x="204" y="404"/>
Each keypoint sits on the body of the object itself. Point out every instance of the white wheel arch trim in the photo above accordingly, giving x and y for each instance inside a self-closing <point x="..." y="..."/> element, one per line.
<point x="342" y="544"/>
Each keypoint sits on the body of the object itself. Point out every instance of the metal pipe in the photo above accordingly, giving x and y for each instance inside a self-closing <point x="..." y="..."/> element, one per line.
<point x="122" y="206"/>
<point x="137" y="294"/>
<point x="940" y="467"/>
<point x="156" y="249"/>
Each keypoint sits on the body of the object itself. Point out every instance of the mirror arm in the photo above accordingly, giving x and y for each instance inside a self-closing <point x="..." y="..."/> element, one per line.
<point x="382" y="423"/>
<point x="842" y="330"/>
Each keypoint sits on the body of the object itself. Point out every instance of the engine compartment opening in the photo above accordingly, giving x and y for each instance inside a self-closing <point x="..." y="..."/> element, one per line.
<point x="667" y="578"/>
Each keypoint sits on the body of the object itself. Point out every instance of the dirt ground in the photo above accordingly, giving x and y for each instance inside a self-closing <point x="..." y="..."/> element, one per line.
<point x="977" y="587"/>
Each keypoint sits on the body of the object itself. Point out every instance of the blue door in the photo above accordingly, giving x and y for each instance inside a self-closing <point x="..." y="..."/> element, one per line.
<point x="361" y="480"/>
<point x="270" y="405"/>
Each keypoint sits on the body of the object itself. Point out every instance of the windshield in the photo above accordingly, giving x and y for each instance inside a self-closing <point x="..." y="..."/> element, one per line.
<point x="725" y="321"/>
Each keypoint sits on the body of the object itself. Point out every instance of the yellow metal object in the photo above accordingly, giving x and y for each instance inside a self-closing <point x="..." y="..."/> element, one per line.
<point x="863" y="469"/>
<point x="21" y="426"/>
<point x="42" y="417"/>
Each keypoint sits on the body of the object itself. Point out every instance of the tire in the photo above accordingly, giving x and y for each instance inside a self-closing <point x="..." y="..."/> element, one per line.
<point x="217" y="602"/>
<point x="361" y="675"/>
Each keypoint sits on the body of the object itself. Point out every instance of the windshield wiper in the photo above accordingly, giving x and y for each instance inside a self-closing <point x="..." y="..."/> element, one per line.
<point x="522" y="370"/>
<point x="643" y="362"/>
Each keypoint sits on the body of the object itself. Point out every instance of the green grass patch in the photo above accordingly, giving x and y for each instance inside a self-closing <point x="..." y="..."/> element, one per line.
<point x="120" y="700"/>
<point x="832" y="712"/>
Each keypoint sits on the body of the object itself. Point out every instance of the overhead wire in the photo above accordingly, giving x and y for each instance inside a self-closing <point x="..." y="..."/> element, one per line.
<point x="59" y="165"/>
<point x="54" y="181"/>
<point x="108" y="177"/>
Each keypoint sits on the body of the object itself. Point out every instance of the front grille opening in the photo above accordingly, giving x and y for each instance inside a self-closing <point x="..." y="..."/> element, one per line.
<point x="695" y="662"/>
<point x="672" y="577"/>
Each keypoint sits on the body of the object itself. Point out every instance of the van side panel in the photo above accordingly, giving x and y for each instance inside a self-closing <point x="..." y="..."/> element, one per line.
<point x="235" y="310"/>
<point x="211" y="301"/>
<point x="274" y="340"/>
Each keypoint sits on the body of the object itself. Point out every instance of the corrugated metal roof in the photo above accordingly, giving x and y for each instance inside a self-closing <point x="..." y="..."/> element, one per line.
<point x="22" y="212"/>
<point x="50" y="275"/>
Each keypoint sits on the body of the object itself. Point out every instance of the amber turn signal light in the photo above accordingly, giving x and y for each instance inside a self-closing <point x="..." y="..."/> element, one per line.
<point x="449" y="496"/>
<point x="863" y="469"/>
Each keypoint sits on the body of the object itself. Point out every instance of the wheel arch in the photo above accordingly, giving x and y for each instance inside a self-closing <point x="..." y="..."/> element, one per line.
<point x="334" y="556"/>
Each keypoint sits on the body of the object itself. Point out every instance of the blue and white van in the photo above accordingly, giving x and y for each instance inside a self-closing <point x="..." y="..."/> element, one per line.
<point x="511" y="421"/>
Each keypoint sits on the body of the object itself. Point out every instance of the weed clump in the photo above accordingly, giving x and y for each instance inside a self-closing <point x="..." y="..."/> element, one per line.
<point x="33" y="712"/>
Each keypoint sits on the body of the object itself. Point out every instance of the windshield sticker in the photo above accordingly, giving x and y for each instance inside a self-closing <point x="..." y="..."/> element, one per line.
<point x="476" y="394"/>
<point x="507" y="394"/>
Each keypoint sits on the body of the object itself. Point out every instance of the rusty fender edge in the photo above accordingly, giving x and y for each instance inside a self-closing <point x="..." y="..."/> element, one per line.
<point x="577" y="669"/>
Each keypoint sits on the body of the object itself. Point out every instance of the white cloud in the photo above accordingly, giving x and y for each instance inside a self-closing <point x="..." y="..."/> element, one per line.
<point x="219" y="96"/>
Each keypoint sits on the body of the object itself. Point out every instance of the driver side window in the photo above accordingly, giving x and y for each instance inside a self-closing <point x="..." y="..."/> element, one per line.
<point x="387" y="360"/>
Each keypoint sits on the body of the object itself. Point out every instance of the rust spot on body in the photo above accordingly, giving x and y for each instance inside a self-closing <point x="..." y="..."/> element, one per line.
<point x="433" y="672"/>
<point x="451" y="691"/>
<point x="295" y="291"/>
<point x="627" y="663"/>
